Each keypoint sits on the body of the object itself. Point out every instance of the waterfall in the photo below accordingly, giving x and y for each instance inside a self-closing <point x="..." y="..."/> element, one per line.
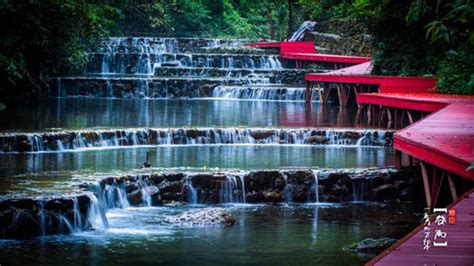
<point x="114" y="196"/>
<point x="96" y="214"/>
<point x="117" y="53"/>
<point x="146" y="197"/>
<point x="62" y="141"/>
<point x="42" y="217"/>
<point x="359" y="189"/>
<point x="316" y="186"/>
<point x="77" y="216"/>
<point x="242" y="182"/>
<point x="191" y="194"/>
<point x="226" y="191"/>
<point x="260" y="93"/>
<point x="288" y="191"/>
<point x="64" y="225"/>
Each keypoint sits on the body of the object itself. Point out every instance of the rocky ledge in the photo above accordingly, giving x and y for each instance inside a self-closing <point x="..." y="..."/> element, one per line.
<point x="22" y="218"/>
<point x="70" y="140"/>
<point x="262" y="186"/>
<point x="29" y="217"/>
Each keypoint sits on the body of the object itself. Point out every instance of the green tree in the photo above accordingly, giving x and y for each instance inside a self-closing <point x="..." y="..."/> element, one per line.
<point x="47" y="38"/>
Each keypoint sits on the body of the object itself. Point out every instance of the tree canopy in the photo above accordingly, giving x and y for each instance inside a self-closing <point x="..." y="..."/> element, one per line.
<point x="47" y="38"/>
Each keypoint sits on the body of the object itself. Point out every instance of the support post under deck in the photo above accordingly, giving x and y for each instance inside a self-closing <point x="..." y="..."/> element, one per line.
<point x="308" y="92"/>
<point x="426" y="185"/>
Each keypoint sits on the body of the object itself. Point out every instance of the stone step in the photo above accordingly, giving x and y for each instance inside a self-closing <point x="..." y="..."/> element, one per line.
<point x="139" y="87"/>
<point x="286" y="76"/>
<point x="121" y="63"/>
<point x="262" y="92"/>
<point x="83" y="139"/>
<point x="27" y="217"/>
<point x="165" y="44"/>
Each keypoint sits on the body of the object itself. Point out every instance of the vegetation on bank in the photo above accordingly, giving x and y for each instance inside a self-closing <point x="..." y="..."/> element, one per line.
<point x="41" y="39"/>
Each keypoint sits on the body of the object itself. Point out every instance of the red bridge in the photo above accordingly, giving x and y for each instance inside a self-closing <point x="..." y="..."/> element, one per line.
<point x="439" y="138"/>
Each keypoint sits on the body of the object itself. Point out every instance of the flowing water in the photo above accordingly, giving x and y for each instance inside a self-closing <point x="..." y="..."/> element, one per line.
<point x="290" y="235"/>
<point x="189" y="110"/>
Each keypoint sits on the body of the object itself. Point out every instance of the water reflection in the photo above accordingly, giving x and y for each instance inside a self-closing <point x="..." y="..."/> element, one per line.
<point x="103" y="113"/>
<point x="199" y="156"/>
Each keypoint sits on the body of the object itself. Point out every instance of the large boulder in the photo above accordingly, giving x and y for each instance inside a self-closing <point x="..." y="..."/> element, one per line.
<point x="202" y="217"/>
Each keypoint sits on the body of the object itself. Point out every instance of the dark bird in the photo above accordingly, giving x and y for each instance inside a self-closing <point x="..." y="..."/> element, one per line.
<point x="146" y="164"/>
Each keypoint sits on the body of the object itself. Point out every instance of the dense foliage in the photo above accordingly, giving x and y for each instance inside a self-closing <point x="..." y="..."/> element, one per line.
<point x="414" y="37"/>
<point x="419" y="37"/>
<point x="44" y="38"/>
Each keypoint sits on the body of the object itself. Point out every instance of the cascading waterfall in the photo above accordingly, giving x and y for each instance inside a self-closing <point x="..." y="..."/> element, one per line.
<point x="42" y="217"/>
<point x="242" y="183"/>
<point x="126" y="64"/>
<point x="62" y="141"/>
<point x="226" y="191"/>
<point x="316" y="186"/>
<point x="288" y="192"/>
<point x="359" y="189"/>
<point x="261" y="93"/>
<point x="116" y="54"/>
<point x="78" y="226"/>
<point x="96" y="215"/>
<point x="191" y="193"/>
<point x="64" y="225"/>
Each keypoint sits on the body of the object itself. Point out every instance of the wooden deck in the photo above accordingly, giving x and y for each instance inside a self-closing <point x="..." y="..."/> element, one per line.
<point x="306" y="51"/>
<point x="425" y="102"/>
<point x="327" y="58"/>
<point x="444" y="139"/>
<point x="459" y="238"/>
<point x="442" y="143"/>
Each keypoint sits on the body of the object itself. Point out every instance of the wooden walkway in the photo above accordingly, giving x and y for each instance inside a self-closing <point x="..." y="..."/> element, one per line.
<point x="442" y="143"/>
<point x="306" y="52"/>
<point x="459" y="238"/>
<point x="444" y="139"/>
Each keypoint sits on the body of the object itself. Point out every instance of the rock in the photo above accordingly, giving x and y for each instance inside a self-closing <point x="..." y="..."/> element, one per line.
<point x="202" y="217"/>
<point x="254" y="197"/>
<point x="272" y="196"/>
<point x="135" y="198"/>
<point x="23" y="225"/>
<point x="192" y="133"/>
<point x="372" y="245"/>
<point x="24" y="145"/>
<point x="317" y="140"/>
<point x="385" y="192"/>
<point x="170" y="187"/>
<point x="262" y="134"/>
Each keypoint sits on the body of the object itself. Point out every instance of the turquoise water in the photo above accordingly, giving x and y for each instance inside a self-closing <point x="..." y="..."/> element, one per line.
<point x="263" y="235"/>
<point x="101" y="113"/>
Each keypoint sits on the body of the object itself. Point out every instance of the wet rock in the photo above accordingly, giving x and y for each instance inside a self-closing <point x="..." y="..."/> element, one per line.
<point x="135" y="198"/>
<point x="254" y="197"/>
<point x="23" y="225"/>
<point x="313" y="140"/>
<point x="261" y="180"/>
<point x="371" y="245"/>
<point x="262" y="134"/>
<point x="170" y="187"/>
<point x="272" y="196"/>
<point x="203" y="217"/>
<point x="192" y="133"/>
<point x="385" y="192"/>
<point x="24" y="146"/>
<point x="351" y="135"/>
